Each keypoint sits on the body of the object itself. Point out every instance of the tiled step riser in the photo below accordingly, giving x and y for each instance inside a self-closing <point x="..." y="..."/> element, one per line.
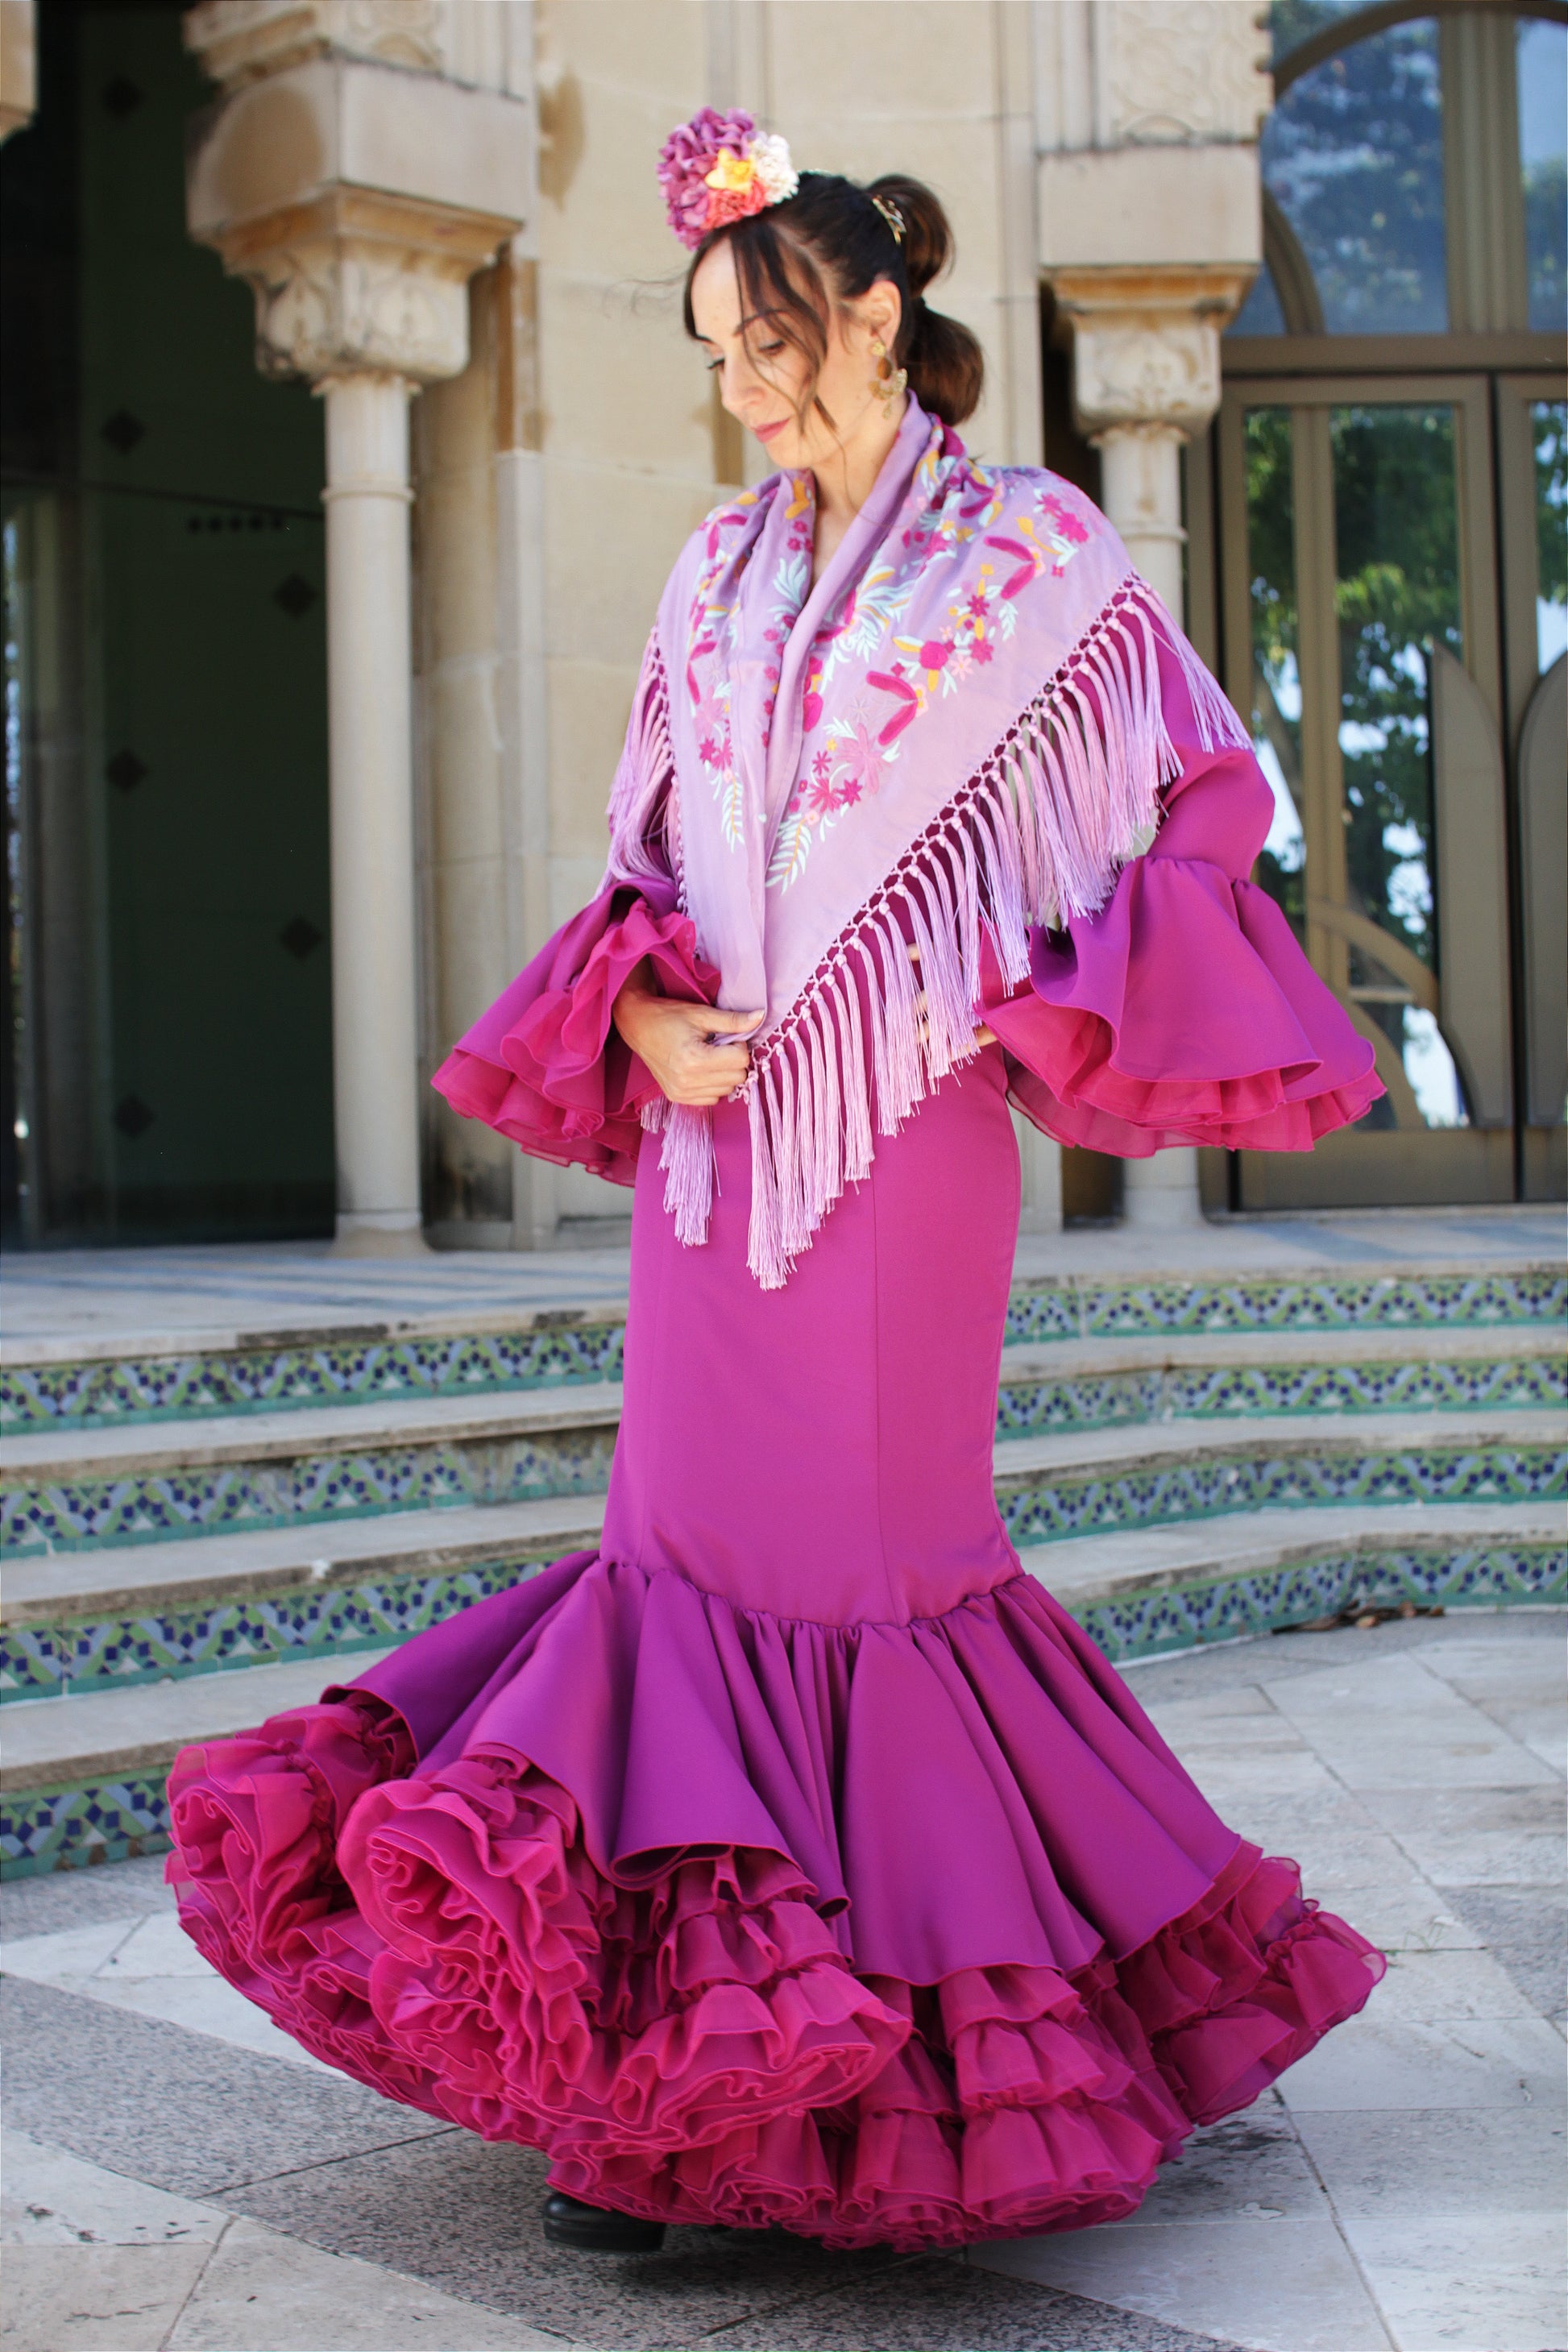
<point x="86" y="1514"/>
<point x="106" y="1821"/>
<point x="47" y="1659"/>
<point x="1187" y="1616"/>
<point x="1223" y="1391"/>
<point x="136" y="1388"/>
<point x="1039" y="1510"/>
<point x="320" y="1621"/>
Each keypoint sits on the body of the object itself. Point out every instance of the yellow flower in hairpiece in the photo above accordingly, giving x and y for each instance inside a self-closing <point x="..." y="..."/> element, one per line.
<point x="732" y="173"/>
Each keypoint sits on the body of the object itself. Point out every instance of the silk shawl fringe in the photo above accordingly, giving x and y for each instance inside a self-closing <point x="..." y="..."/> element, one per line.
<point x="1036" y="834"/>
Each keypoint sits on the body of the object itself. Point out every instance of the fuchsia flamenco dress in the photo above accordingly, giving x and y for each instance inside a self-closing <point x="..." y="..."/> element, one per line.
<point x="793" y="1858"/>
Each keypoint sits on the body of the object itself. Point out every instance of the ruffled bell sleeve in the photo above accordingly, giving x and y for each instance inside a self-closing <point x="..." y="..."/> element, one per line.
<point x="1183" y="1012"/>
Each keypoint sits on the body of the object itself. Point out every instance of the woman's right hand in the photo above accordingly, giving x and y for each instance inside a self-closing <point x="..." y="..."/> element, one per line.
<point x="675" y="1042"/>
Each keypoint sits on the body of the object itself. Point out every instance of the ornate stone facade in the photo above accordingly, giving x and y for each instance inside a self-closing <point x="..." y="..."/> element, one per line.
<point x="369" y="159"/>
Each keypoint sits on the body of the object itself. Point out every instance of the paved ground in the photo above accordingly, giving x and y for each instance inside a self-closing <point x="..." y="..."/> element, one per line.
<point x="79" y="1297"/>
<point x="176" y="2177"/>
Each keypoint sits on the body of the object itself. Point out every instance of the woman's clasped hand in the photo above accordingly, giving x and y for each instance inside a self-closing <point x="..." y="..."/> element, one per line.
<point x="695" y="1052"/>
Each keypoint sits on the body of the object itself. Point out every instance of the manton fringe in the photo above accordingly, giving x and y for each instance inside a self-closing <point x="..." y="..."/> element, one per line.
<point x="1037" y="832"/>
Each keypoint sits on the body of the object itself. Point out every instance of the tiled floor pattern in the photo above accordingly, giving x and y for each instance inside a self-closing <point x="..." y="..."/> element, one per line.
<point x="184" y="2178"/>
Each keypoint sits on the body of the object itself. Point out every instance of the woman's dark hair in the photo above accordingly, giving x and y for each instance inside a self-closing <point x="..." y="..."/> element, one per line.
<point x="831" y="241"/>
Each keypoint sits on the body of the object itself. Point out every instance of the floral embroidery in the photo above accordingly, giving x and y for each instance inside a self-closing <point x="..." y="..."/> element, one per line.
<point x="710" y="636"/>
<point x="953" y="503"/>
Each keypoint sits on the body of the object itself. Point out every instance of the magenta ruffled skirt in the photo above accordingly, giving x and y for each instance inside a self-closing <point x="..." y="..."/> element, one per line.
<point x="794" y="1859"/>
<point x="684" y="2030"/>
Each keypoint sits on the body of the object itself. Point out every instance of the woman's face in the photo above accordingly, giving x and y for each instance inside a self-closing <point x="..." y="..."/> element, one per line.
<point x="762" y="379"/>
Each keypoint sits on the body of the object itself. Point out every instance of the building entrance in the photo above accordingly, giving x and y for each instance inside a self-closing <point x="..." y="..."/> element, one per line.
<point x="1386" y="520"/>
<point x="168" y="980"/>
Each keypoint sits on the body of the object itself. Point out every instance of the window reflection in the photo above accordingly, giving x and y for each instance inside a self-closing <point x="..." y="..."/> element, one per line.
<point x="1542" y="57"/>
<point x="1548" y="420"/>
<point x="1396" y="593"/>
<point x="1276" y="676"/>
<point x="1354" y="155"/>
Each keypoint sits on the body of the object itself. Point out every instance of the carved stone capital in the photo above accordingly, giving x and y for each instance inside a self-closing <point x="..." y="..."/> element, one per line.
<point x="358" y="200"/>
<point x="1146" y="343"/>
<point x="355" y="281"/>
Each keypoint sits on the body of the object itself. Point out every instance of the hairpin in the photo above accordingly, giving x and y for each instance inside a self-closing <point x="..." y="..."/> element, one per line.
<point x="893" y="215"/>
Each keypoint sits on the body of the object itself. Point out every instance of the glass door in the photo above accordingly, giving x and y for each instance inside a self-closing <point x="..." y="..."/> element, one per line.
<point x="1361" y="632"/>
<point x="1533" y="476"/>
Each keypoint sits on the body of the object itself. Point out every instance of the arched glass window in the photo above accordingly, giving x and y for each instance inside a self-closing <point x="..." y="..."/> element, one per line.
<point x="1542" y="51"/>
<point x="1352" y="156"/>
<point x="1413" y="171"/>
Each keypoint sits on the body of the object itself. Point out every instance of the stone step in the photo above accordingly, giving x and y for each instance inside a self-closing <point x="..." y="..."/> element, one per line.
<point x="72" y="1489"/>
<point x="1149" y="1474"/>
<point x="1150" y="1376"/>
<point x="1239" y="1372"/>
<point x="1146" y="1590"/>
<point x="155" y="1481"/>
<point x="109" y="1618"/>
<point x="321" y="1357"/>
<point x="111" y="1735"/>
<point x="120" y="1614"/>
<point x="83" y="1775"/>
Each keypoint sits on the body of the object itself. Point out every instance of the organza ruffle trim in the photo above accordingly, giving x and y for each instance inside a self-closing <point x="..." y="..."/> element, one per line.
<point x="544" y="1065"/>
<point x="697" y="2047"/>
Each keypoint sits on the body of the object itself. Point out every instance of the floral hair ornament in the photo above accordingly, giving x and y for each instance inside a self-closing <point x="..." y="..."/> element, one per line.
<point x="719" y="168"/>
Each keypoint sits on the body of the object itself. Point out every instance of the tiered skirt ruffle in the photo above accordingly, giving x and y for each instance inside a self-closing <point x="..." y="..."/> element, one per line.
<point x="868" y="2027"/>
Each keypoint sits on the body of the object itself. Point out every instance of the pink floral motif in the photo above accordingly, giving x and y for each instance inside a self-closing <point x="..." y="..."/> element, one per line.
<point x="1062" y="519"/>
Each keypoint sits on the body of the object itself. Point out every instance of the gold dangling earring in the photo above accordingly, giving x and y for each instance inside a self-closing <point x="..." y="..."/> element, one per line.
<point x="888" y="383"/>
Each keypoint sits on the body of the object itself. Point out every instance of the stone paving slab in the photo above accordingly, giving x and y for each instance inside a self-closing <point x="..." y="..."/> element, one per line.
<point x="1401" y="2191"/>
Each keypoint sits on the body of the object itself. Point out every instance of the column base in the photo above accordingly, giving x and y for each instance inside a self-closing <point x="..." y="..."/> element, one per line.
<point x="393" y="1234"/>
<point x="1162" y="1192"/>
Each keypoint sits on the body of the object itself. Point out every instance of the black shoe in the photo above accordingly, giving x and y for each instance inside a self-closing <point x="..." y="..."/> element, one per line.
<point x="593" y="2229"/>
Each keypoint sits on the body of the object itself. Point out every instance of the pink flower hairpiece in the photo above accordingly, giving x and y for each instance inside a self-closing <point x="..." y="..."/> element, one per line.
<point x="719" y="168"/>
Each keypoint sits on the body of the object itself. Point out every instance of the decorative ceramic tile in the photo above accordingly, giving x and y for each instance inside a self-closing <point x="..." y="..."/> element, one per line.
<point x="270" y="1380"/>
<point x="62" y="1828"/>
<point x="153" y="1507"/>
<point x="1097" y="1309"/>
<point x="1035" y="1510"/>
<point x="1146" y="1624"/>
<point x="187" y="1387"/>
<point x="50" y="1661"/>
<point x="1225" y="1391"/>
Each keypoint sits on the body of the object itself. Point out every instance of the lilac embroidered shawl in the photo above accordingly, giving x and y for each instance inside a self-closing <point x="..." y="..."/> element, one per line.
<point x="955" y="732"/>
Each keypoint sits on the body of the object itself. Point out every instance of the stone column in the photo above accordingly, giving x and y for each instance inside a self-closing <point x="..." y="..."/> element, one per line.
<point x="1146" y="346"/>
<point x="358" y="198"/>
<point x="375" y="1022"/>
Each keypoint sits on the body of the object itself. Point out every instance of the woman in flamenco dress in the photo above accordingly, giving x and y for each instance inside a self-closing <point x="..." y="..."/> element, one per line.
<point x="793" y="1858"/>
